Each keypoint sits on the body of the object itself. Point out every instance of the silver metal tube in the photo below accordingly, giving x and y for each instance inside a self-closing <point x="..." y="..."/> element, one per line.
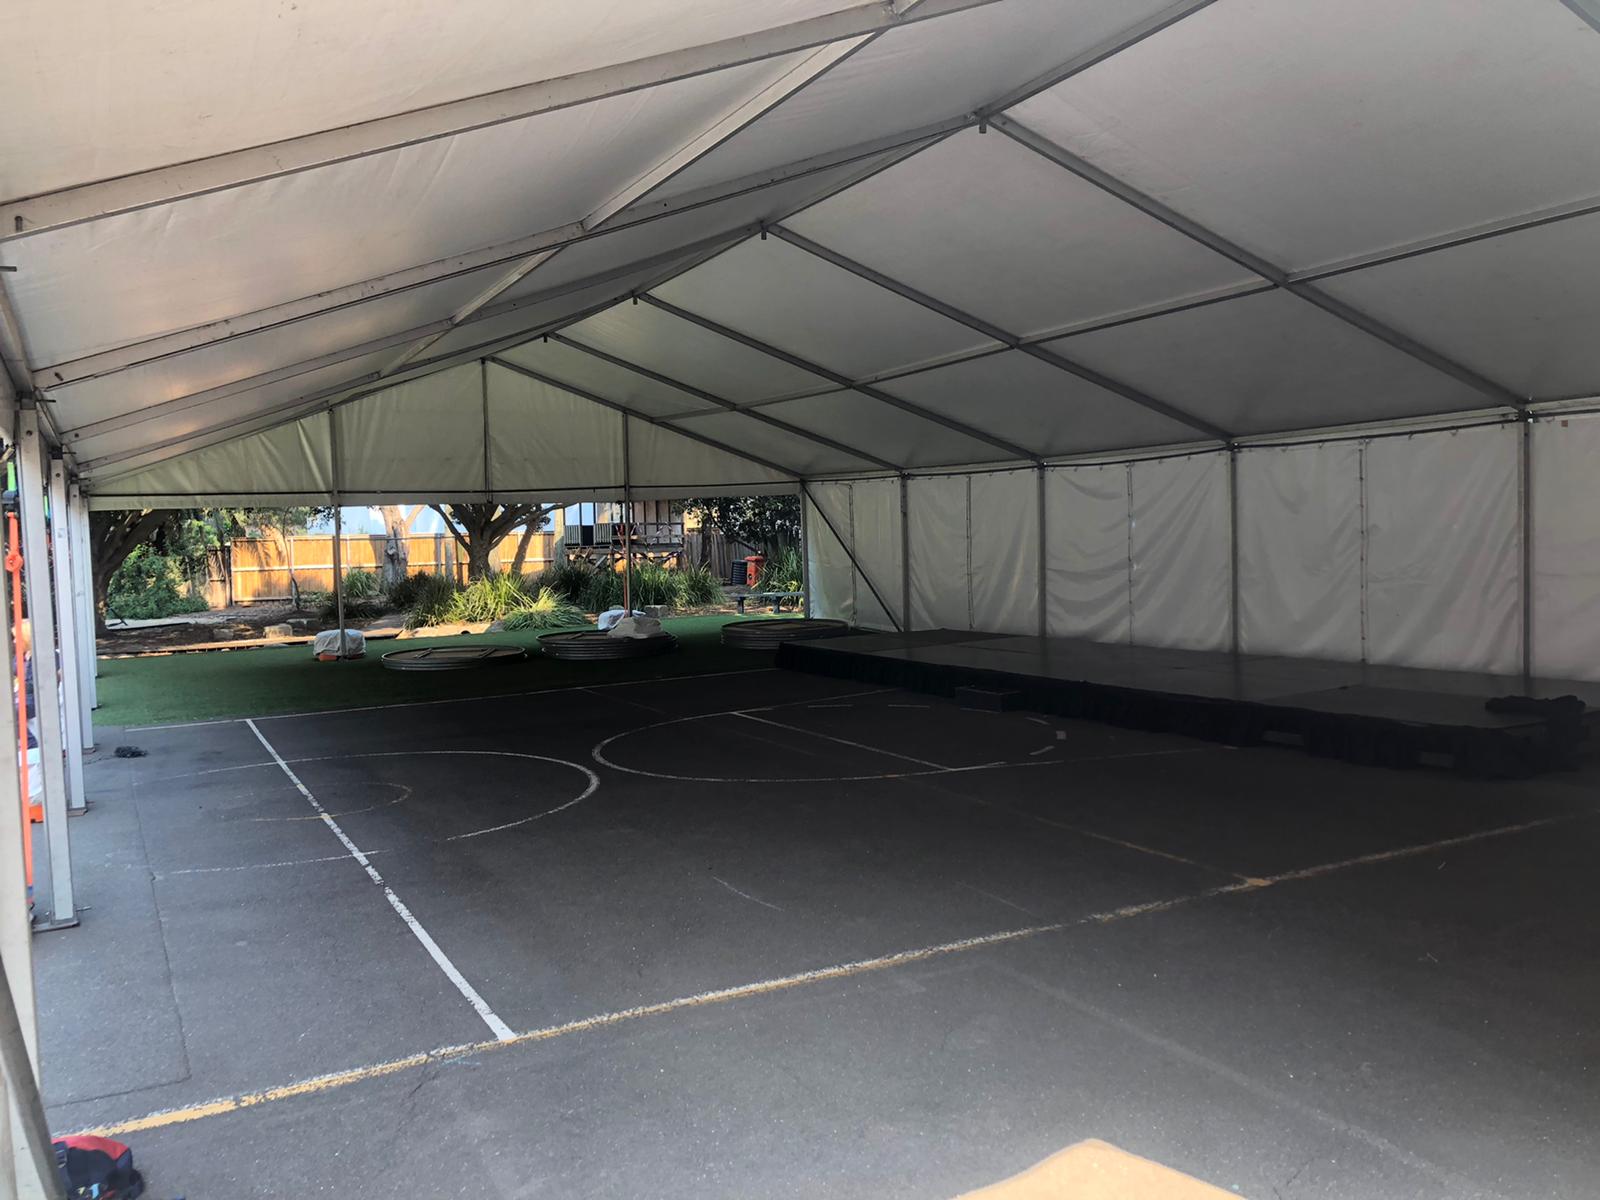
<point x="61" y="561"/>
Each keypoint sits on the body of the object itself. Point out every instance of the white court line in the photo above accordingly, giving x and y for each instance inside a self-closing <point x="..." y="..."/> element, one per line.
<point x="746" y="895"/>
<point x="499" y="1028"/>
<point x="331" y="712"/>
<point x="319" y="1084"/>
<point x="921" y="762"/>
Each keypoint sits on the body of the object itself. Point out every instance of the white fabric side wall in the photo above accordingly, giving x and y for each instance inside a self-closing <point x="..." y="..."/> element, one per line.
<point x="1300" y="550"/>
<point x="1566" y="547"/>
<point x="1181" y="552"/>
<point x="828" y="570"/>
<point x="936" y="519"/>
<point x="1005" y="552"/>
<point x="1086" y="527"/>
<point x="1443" y="550"/>
<point x="875" y="512"/>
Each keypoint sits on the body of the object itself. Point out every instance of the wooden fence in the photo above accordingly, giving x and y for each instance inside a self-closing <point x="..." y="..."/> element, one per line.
<point x="258" y="570"/>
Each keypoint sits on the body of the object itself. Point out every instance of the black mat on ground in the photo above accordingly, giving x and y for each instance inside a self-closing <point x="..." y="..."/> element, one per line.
<point x="1382" y="716"/>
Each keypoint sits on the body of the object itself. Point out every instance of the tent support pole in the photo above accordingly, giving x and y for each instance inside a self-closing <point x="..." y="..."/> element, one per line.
<point x="31" y="471"/>
<point x="627" y="519"/>
<point x="338" y="528"/>
<point x="1044" y="574"/>
<point x="850" y="553"/>
<point x="83" y="606"/>
<point x="805" y="558"/>
<point x="21" y="1082"/>
<point x="905" y="554"/>
<point x="67" y="636"/>
<point x="1525" y="503"/>
<point x="1233" y="549"/>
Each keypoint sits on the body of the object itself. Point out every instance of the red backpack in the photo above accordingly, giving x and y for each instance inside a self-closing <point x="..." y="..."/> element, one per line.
<point x="97" y="1168"/>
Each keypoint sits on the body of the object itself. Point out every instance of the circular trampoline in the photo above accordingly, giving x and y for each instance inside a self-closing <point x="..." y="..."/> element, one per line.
<point x="770" y="633"/>
<point x="452" y="658"/>
<point x="592" y="645"/>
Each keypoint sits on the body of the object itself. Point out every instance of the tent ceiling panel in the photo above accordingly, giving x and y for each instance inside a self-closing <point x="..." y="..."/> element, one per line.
<point x="609" y="251"/>
<point x="247" y="357"/>
<point x="742" y="432"/>
<point x="859" y="420"/>
<point x="283" y="466"/>
<point x="1525" y="305"/>
<point x="541" y="437"/>
<point x="984" y="224"/>
<point x="89" y="287"/>
<point x="684" y="351"/>
<point x="627" y="388"/>
<point x="795" y="301"/>
<point x="98" y="442"/>
<point x="1309" y="133"/>
<point x="1036" y="405"/>
<point x="424" y="436"/>
<point x="1268" y="363"/>
<point x="183" y="79"/>
<point x="921" y="73"/>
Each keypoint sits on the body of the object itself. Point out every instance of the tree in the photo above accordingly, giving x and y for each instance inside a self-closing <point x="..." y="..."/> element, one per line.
<point x="397" y="527"/>
<point x="771" y="523"/>
<point x="479" y="528"/>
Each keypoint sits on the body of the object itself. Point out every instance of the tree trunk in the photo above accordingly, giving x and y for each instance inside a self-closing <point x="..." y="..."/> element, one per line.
<point x="112" y="537"/>
<point x="396" y="556"/>
<point x="478" y="552"/>
<point x="521" y="557"/>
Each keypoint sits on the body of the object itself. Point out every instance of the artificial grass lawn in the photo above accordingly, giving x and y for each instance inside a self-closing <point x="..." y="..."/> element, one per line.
<point x="203" y="685"/>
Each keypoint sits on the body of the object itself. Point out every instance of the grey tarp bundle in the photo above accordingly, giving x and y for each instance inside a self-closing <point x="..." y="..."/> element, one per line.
<point x="1216" y="322"/>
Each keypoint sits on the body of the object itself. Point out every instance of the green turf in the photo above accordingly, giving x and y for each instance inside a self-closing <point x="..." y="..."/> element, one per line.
<point x="203" y="685"/>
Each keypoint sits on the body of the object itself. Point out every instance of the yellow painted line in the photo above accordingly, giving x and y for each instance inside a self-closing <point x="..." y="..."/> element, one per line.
<point x="340" y="1079"/>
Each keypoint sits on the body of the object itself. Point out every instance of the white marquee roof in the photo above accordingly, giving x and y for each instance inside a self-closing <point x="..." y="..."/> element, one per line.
<point x="262" y="251"/>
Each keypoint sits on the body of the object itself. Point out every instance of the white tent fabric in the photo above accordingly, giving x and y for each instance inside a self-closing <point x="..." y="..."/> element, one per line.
<point x="946" y="242"/>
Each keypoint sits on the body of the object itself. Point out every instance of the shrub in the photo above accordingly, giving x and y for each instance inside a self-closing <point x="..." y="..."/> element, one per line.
<point x="697" y="585"/>
<point x="434" y="595"/>
<point x="404" y="594"/>
<point x="490" y="598"/>
<point x="354" y="610"/>
<point x="568" y="579"/>
<point x="146" y="586"/>
<point x="360" y="584"/>
<point x="545" y="611"/>
<point x="782" y="572"/>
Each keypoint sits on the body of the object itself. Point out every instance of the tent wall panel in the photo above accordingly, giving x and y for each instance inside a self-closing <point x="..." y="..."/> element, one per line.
<point x="1086" y="527"/>
<point x="829" y="575"/>
<point x="1005" y="552"/>
<point x="1443" y="550"/>
<point x="937" y="536"/>
<point x="875" y="513"/>
<point x="1181" y="552"/>
<point x="1566" y="547"/>
<point x="424" y="436"/>
<point x="1300" y="550"/>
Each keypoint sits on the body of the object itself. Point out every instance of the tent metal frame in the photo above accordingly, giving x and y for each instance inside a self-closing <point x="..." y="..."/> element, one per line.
<point x="1254" y="263"/>
<point x="62" y="207"/>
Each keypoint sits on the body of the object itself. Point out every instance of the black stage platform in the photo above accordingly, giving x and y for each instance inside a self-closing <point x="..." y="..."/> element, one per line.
<point x="1388" y="716"/>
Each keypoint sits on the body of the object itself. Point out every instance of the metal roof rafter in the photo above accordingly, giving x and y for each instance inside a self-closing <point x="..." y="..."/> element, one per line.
<point x="1254" y="263"/>
<point x="844" y="381"/>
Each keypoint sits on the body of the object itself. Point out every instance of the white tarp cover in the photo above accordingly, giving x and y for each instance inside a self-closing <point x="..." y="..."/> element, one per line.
<point x="826" y="238"/>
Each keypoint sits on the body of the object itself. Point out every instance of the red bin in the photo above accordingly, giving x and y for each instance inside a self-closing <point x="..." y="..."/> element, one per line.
<point x="752" y="569"/>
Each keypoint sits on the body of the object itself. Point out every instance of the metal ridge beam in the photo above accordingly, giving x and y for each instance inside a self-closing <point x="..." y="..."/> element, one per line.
<point x="722" y="403"/>
<point x="1252" y="262"/>
<point x="585" y="394"/>
<point x="994" y="332"/>
<point x="138" y="190"/>
<point x="844" y="381"/>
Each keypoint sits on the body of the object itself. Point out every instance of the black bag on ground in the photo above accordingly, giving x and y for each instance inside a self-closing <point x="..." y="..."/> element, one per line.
<point x="97" y="1168"/>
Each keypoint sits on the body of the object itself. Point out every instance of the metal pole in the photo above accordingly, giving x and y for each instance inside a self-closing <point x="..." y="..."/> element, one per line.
<point x="83" y="594"/>
<point x="24" y="1088"/>
<point x="805" y="558"/>
<point x="16" y="940"/>
<point x="67" y="633"/>
<point x="31" y="476"/>
<point x="905" y="556"/>
<point x="1044" y="572"/>
<point x="627" y="515"/>
<point x="338" y="528"/>
<point x="850" y="554"/>
<point x="1233" y="548"/>
<point x="1525" y="503"/>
